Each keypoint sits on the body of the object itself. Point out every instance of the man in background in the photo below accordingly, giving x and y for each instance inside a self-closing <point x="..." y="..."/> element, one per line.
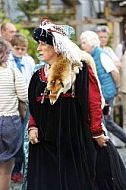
<point x="8" y="30"/>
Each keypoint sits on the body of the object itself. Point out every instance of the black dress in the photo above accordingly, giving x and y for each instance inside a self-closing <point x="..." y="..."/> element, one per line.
<point x="66" y="157"/>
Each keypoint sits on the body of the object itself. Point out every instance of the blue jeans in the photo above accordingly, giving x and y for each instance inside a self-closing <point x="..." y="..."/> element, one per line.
<point x="112" y="126"/>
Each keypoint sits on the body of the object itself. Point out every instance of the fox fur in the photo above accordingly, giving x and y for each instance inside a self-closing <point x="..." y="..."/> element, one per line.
<point x="61" y="77"/>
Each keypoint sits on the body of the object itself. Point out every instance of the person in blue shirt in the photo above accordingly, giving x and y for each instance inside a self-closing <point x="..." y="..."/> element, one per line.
<point x="108" y="76"/>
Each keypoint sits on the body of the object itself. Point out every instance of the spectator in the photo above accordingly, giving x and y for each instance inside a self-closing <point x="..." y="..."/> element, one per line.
<point x="8" y="30"/>
<point x="108" y="76"/>
<point x="20" y="59"/>
<point x="121" y="47"/>
<point x="103" y="34"/>
<point x="25" y="65"/>
<point x="123" y="87"/>
<point x="12" y="87"/>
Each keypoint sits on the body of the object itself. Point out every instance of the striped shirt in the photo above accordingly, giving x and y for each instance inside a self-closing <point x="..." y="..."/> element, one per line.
<point x="12" y="87"/>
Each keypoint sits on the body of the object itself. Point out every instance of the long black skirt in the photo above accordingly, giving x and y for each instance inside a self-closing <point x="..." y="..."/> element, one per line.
<point x="43" y="171"/>
<point x="45" y="174"/>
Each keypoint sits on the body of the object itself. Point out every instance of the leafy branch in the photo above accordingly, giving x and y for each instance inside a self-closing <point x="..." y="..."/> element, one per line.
<point x="28" y="6"/>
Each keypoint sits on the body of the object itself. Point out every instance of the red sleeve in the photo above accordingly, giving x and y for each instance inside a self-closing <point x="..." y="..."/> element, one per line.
<point x="31" y="123"/>
<point x="95" y="110"/>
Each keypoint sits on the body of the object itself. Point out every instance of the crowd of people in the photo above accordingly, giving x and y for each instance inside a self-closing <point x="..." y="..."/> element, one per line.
<point x="63" y="143"/>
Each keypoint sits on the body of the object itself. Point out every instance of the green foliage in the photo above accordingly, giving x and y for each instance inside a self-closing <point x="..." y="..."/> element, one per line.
<point x="109" y="43"/>
<point x="28" y="6"/>
<point x="2" y="16"/>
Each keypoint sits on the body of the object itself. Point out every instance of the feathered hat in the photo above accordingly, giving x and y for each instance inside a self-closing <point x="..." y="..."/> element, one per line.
<point x="59" y="37"/>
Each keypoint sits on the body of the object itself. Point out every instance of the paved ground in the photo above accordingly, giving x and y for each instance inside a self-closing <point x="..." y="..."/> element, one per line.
<point x="123" y="154"/>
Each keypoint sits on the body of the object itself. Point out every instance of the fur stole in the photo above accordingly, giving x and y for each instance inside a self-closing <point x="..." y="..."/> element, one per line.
<point x="61" y="77"/>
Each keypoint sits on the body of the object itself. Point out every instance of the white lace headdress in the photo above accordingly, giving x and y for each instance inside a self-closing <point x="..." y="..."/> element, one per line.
<point x="61" y="42"/>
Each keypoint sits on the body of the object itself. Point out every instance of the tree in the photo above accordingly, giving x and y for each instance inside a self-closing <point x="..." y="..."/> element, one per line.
<point x="27" y="6"/>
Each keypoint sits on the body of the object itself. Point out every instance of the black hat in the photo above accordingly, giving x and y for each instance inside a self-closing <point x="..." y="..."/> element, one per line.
<point x="58" y="36"/>
<point x="42" y="35"/>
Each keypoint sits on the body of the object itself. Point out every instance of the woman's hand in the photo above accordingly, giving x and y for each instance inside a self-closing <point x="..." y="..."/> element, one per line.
<point x="102" y="140"/>
<point x="33" y="135"/>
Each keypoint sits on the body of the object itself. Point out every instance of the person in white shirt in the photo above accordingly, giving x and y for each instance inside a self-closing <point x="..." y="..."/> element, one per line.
<point x="19" y="58"/>
<point x="103" y="34"/>
<point x="12" y="88"/>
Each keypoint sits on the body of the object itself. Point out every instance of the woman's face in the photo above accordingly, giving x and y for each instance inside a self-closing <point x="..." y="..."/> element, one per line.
<point x="103" y="37"/>
<point x="85" y="46"/>
<point x="46" y="52"/>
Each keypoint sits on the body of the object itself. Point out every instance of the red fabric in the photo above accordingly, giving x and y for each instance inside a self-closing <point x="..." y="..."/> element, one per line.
<point x="95" y="111"/>
<point x="42" y="74"/>
<point x="31" y="123"/>
<point x="67" y="95"/>
<point x="95" y="117"/>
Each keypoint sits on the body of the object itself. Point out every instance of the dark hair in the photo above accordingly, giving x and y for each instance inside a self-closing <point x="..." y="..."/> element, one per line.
<point x="124" y="46"/>
<point x="125" y="26"/>
<point x="125" y="43"/>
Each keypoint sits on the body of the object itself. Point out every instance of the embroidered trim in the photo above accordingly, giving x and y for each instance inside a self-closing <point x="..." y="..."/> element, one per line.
<point x="42" y="76"/>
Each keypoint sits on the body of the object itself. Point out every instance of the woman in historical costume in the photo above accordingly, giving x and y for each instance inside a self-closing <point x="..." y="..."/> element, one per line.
<point x="67" y="141"/>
